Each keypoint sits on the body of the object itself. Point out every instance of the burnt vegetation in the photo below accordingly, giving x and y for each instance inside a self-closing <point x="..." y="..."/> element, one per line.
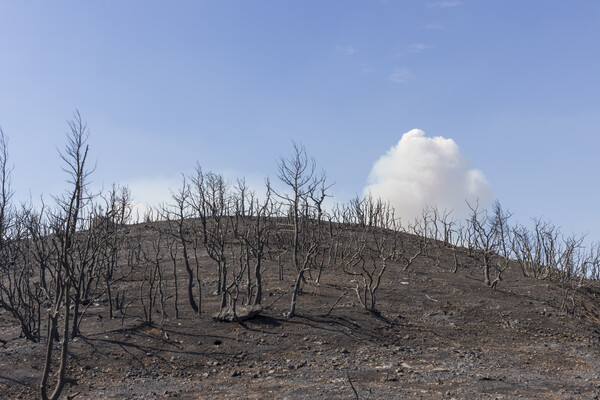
<point x="220" y="250"/>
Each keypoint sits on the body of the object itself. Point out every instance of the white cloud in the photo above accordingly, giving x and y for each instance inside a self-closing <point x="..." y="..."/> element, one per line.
<point x="445" y="4"/>
<point x="420" y="171"/>
<point x="418" y="47"/>
<point x="401" y="75"/>
<point x="348" y="49"/>
<point x="149" y="193"/>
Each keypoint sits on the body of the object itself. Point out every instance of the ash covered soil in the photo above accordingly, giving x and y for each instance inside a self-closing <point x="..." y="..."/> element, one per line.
<point x="437" y="335"/>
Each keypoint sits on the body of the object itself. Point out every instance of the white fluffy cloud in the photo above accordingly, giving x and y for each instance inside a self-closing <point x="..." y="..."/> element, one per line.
<point x="420" y="171"/>
<point x="150" y="192"/>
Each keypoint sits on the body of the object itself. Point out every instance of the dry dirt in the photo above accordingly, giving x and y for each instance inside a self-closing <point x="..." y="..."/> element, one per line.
<point x="438" y="335"/>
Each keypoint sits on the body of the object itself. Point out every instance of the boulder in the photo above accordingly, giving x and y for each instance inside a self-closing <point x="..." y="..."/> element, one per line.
<point x="243" y="313"/>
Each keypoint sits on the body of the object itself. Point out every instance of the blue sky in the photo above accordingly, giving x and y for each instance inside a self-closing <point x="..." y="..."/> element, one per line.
<point x="230" y="83"/>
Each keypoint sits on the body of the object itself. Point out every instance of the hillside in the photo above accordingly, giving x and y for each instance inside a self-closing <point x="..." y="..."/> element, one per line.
<point x="434" y="334"/>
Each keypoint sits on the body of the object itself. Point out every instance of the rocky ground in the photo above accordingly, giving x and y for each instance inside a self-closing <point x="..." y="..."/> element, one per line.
<point x="437" y="335"/>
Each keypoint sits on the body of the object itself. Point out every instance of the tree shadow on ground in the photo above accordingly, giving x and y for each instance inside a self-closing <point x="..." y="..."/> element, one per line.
<point x="13" y="380"/>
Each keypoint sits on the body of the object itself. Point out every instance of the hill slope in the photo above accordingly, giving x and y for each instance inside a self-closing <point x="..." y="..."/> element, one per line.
<point x="437" y="334"/>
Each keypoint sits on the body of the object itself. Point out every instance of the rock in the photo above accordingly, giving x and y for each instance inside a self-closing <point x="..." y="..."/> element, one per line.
<point x="243" y="313"/>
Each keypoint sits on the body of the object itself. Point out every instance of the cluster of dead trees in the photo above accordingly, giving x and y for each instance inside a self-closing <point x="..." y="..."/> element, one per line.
<point x="57" y="261"/>
<point x="545" y="253"/>
<point x="487" y="239"/>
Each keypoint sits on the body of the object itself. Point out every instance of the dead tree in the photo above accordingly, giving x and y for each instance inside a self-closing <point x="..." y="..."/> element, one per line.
<point x="65" y="222"/>
<point x="422" y="229"/>
<point x="369" y="212"/>
<point x="443" y="224"/>
<point x="491" y="237"/>
<point x="503" y="240"/>
<point x="545" y="253"/>
<point x="366" y="259"/>
<point x="6" y="192"/>
<point x="449" y="232"/>
<point x="96" y="252"/>
<point x="118" y="204"/>
<point x="593" y="272"/>
<point x="456" y="238"/>
<point x="535" y="250"/>
<point x="298" y="174"/>
<point x="178" y="218"/>
<point x="406" y="257"/>
<point x="86" y="272"/>
<point x="152" y="284"/>
<point x="571" y="269"/>
<point x="586" y="264"/>
<point x="210" y="199"/>
<point x="371" y="239"/>
<point x="173" y="246"/>
<point x="253" y="229"/>
<point x="329" y="253"/>
<point x="308" y="248"/>
<point x="20" y="294"/>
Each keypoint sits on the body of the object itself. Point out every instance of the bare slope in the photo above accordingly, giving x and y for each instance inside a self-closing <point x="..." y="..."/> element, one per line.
<point x="438" y="334"/>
